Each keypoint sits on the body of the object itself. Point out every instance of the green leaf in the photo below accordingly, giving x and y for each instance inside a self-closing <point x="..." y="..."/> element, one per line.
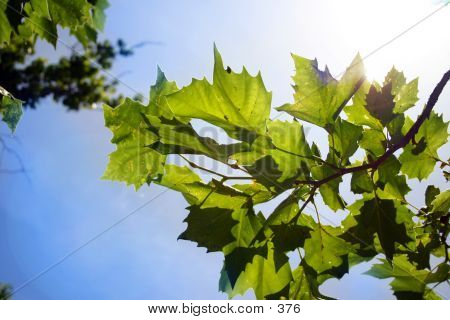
<point x="285" y="142"/>
<point x="405" y="94"/>
<point x="289" y="235"/>
<point x="136" y="132"/>
<point x="324" y="250"/>
<point x="441" y="202"/>
<point x="430" y="194"/>
<point x="396" y="79"/>
<point x="248" y="227"/>
<point x="394" y="185"/>
<point x="395" y="188"/>
<point x="261" y="275"/>
<point x="441" y="274"/>
<point x="319" y="98"/>
<point x="395" y="128"/>
<point x="180" y="179"/>
<point x="266" y="171"/>
<point x="384" y="102"/>
<point x="40" y="18"/>
<point x="304" y="286"/>
<point x="178" y="138"/>
<point x="234" y="266"/>
<point x="330" y="190"/>
<point x="344" y="139"/>
<point x="357" y="112"/>
<point x="134" y="162"/>
<point x="374" y="142"/>
<point x="210" y="228"/>
<point x="85" y="35"/>
<point x="387" y="219"/>
<point x="285" y="212"/>
<point x="69" y="13"/>
<point x="416" y="166"/>
<point x="234" y="102"/>
<point x="381" y="271"/>
<point x="45" y="28"/>
<point x="11" y="110"/>
<point x="99" y="16"/>
<point x="158" y="91"/>
<point x="419" y="162"/>
<point x="425" y="244"/>
<point x="380" y="103"/>
<point x="361" y="182"/>
<point x="406" y="277"/>
<point x="41" y="8"/>
<point x="218" y="196"/>
<point x="256" y="191"/>
<point x="389" y="168"/>
<point x="292" y="153"/>
<point x="5" y="27"/>
<point x="40" y="22"/>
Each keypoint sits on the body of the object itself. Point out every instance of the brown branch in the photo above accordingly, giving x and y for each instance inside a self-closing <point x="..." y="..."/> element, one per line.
<point x="401" y="144"/>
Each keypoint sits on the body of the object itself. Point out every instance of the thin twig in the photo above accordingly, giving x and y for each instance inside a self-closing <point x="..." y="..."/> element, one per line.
<point x="224" y="177"/>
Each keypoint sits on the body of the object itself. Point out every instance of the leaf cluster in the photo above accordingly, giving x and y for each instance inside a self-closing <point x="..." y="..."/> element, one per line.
<point x="370" y="138"/>
<point x="77" y="81"/>
<point x="22" y="23"/>
<point x="27" y="20"/>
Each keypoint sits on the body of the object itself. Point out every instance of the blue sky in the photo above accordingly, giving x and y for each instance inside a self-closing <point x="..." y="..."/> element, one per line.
<point x="61" y="202"/>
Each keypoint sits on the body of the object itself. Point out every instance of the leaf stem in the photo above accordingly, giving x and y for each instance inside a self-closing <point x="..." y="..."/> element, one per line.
<point x="224" y="177"/>
<point x="313" y="157"/>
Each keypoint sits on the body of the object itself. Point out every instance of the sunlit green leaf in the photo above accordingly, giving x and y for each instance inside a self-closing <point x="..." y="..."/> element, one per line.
<point x="319" y="98"/>
<point x="285" y="142"/>
<point x="344" y="139"/>
<point x="418" y="162"/>
<point x="261" y="275"/>
<point x="374" y="142"/>
<point x="406" y="277"/>
<point x="441" y="202"/>
<point x="357" y="112"/>
<point x="329" y="191"/>
<point x="134" y="162"/>
<point x="11" y="110"/>
<point x="234" y="102"/>
<point x="303" y="286"/>
<point x="324" y="250"/>
<point x="405" y="94"/>
<point x="256" y="191"/>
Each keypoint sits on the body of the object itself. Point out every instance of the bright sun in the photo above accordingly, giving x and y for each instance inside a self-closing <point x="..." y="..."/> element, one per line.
<point x="380" y="31"/>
